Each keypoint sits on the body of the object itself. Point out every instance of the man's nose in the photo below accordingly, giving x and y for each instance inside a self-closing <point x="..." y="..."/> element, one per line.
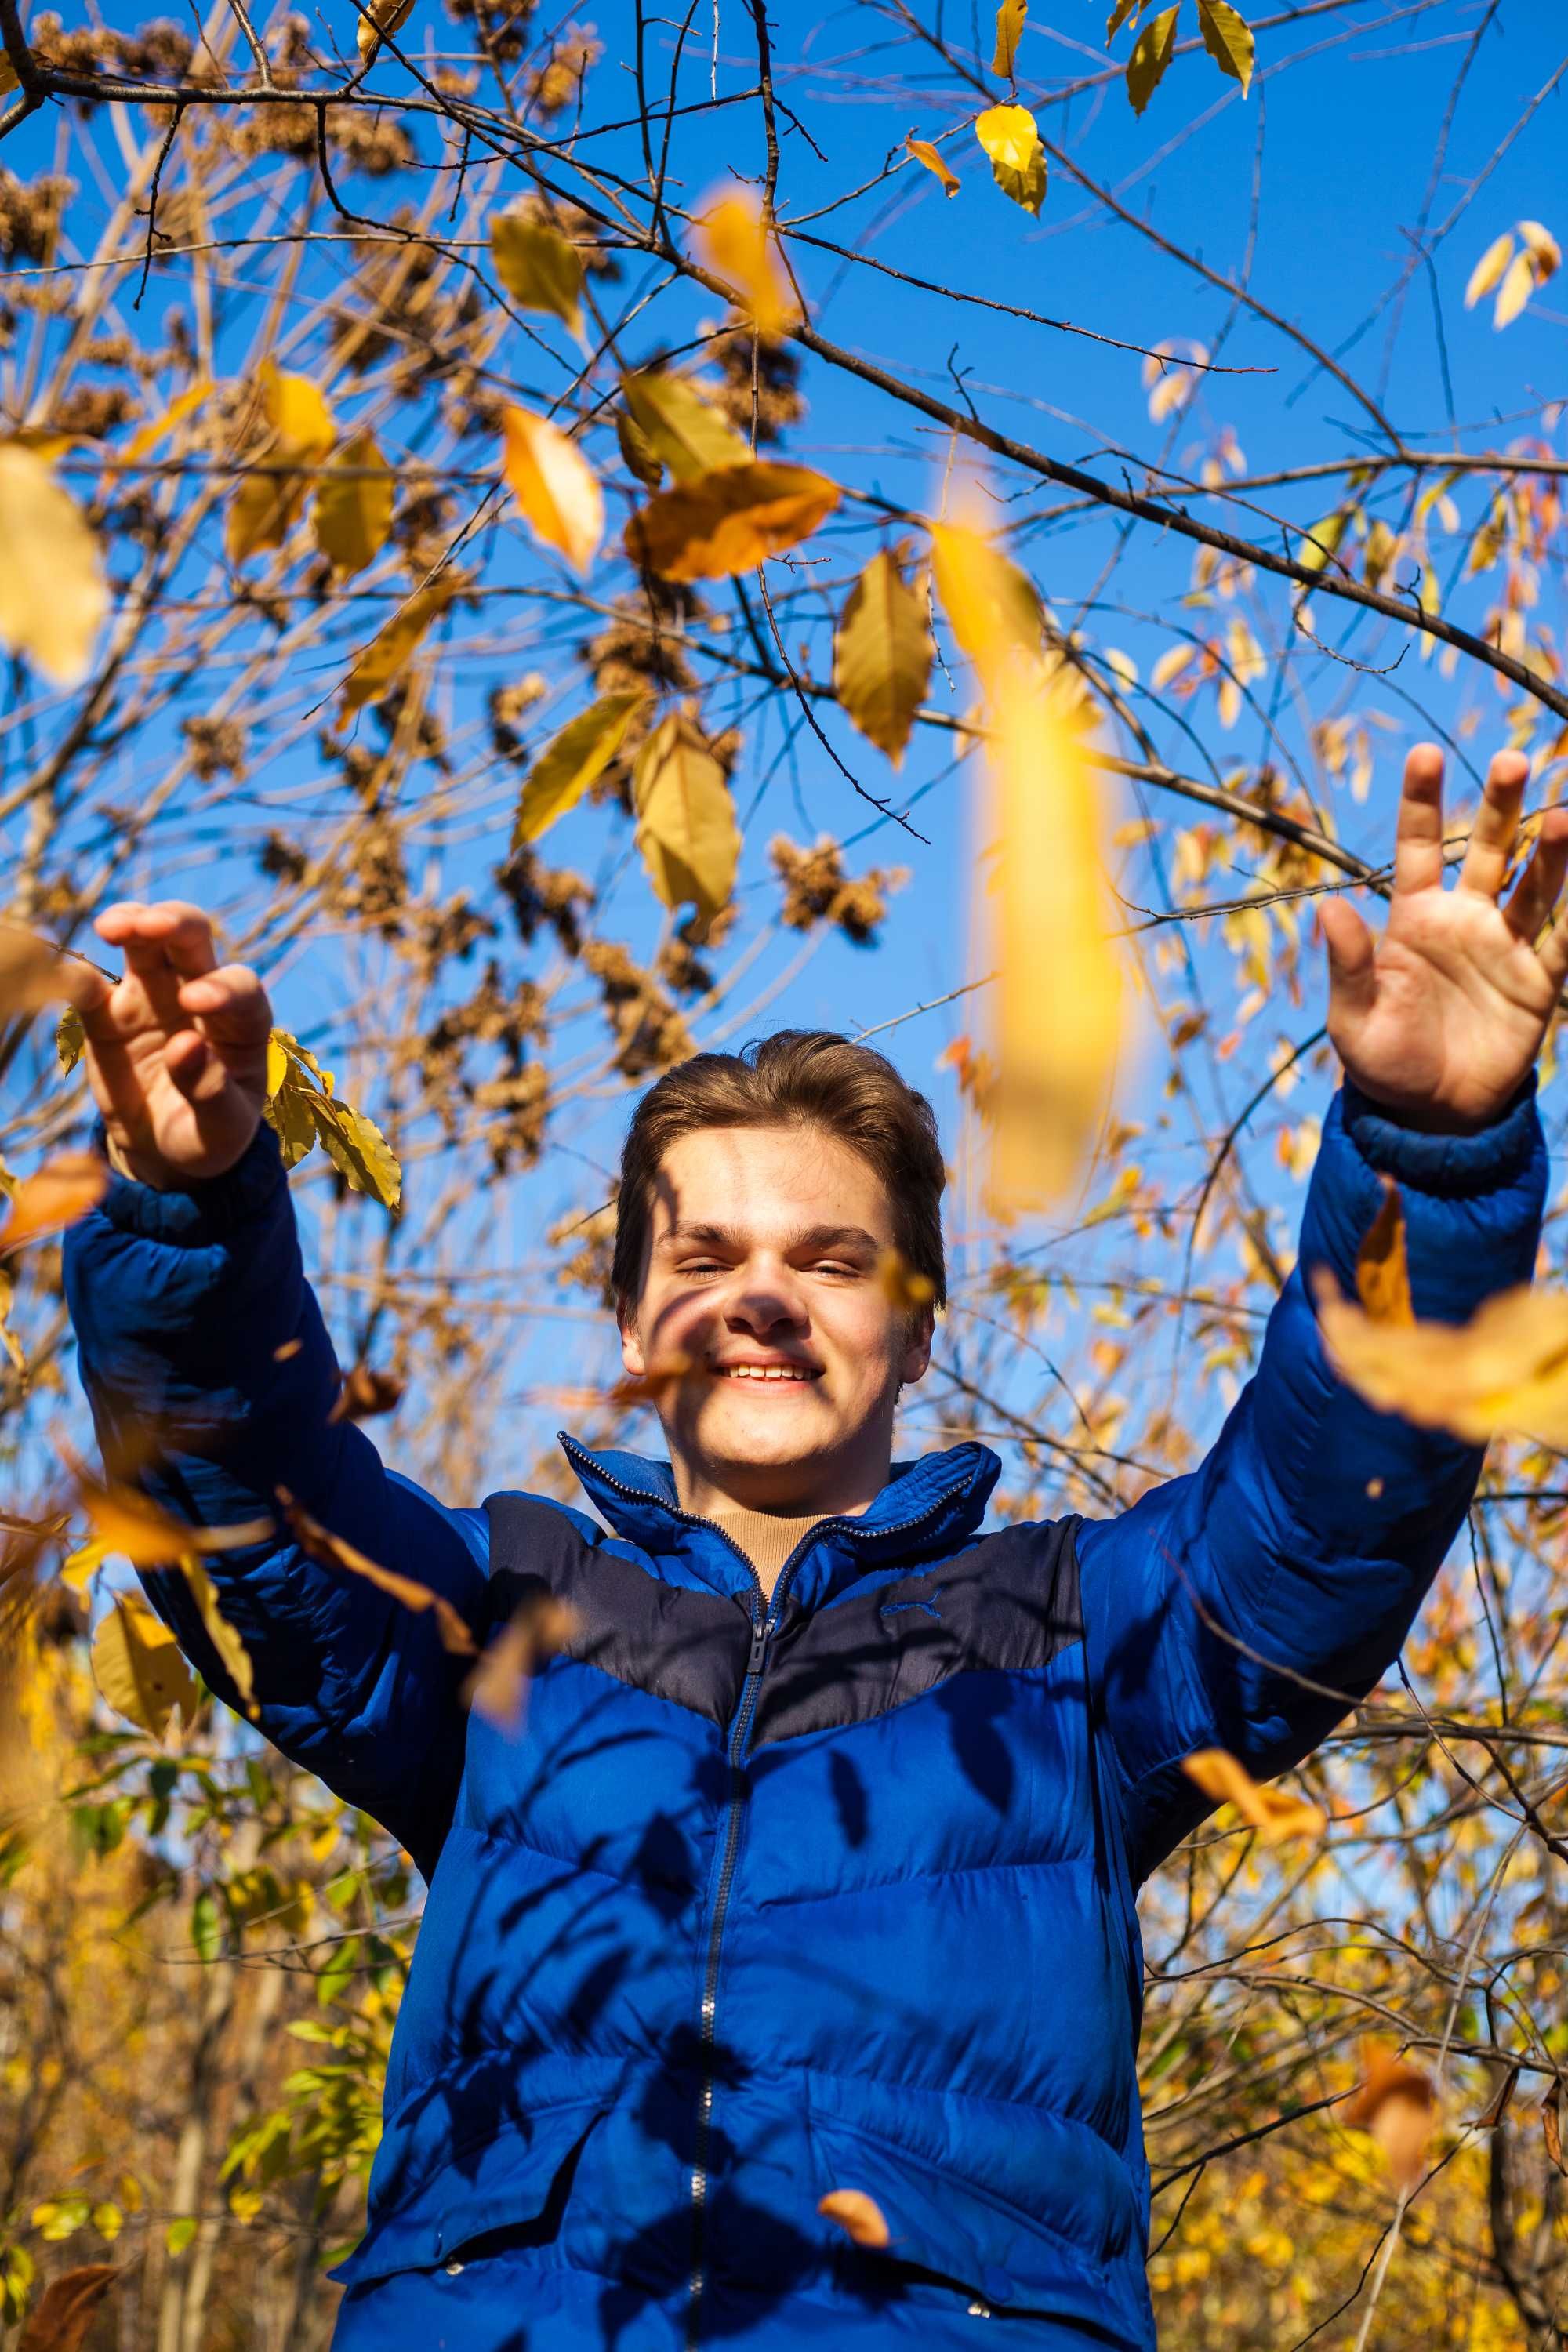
<point x="763" y="1298"/>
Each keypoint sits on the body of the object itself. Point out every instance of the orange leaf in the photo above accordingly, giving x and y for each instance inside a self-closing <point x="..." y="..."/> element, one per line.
<point x="320" y="1544"/>
<point x="652" y="1386"/>
<point x="538" y="1630"/>
<point x="553" y="486"/>
<point x="63" y="1190"/>
<point x="859" y="2217"/>
<point x="1397" y="2105"/>
<point x="365" y="1392"/>
<point x="734" y="241"/>
<point x="62" y="2319"/>
<point x="1381" y="1269"/>
<point x="1274" y="1814"/>
<point x="728" y="521"/>
<point x="924" y="152"/>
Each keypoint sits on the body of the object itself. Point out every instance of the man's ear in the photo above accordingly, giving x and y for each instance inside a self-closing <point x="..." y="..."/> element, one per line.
<point x="916" y="1347"/>
<point x="632" y="1355"/>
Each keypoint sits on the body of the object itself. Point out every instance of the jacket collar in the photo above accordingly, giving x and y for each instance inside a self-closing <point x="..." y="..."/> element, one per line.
<point x="927" y="1507"/>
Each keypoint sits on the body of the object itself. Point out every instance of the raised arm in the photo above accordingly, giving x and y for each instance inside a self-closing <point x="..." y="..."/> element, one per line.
<point x="204" y="1358"/>
<point x="1247" y="1605"/>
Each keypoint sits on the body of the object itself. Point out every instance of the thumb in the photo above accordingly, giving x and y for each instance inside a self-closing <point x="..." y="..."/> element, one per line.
<point x="1353" y="959"/>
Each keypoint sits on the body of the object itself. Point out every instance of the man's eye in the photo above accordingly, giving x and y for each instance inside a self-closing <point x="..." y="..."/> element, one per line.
<point x="701" y="1266"/>
<point x="835" y="1266"/>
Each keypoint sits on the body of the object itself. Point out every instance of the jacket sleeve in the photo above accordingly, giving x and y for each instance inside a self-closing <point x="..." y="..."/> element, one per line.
<point x="199" y="1340"/>
<point x="1307" y="1538"/>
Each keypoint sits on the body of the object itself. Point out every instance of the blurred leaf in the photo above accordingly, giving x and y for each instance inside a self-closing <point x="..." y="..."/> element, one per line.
<point x="70" y="1039"/>
<point x="882" y="655"/>
<point x="1551" y="2126"/>
<point x="859" y="2217"/>
<point x="266" y="504"/>
<point x="232" y="1652"/>
<point x="319" y="1543"/>
<point x="1274" y="1814"/>
<point x="642" y="459"/>
<point x="680" y="427"/>
<point x="906" y="1292"/>
<point x="1397" y="2105"/>
<point x="388" y="653"/>
<point x="553" y="485"/>
<point x="1504" y="1371"/>
<point x="378" y="18"/>
<point x="540" y="270"/>
<point x="1151" y="56"/>
<point x="570" y="762"/>
<point x="687" y="832"/>
<point x="1228" y="37"/>
<point x="736" y="245"/>
<point x="1011" y="138"/>
<point x="1487" y="271"/>
<point x="353" y="512"/>
<point x="53" y="591"/>
<point x="145" y="440"/>
<point x="62" y="2317"/>
<point x="989" y="603"/>
<point x="63" y="1190"/>
<point x="1381" y="1270"/>
<point x="538" y="1630"/>
<point x="137" y="1665"/>
<point x="1323" y="541"/>
<point x="1518" y="286"/>
<point x="1010" y="18"/>
<point x="33" y="971"/>
<point x="924" y="152"/>
<point x="725" y="523"/>
<point x="365" y="1393"/>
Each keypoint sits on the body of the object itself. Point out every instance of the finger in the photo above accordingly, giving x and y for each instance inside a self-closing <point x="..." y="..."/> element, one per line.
<point x="1553" y="953"/>
<point x="172" y="935"/>
<point x="1352" y="957"/>
<point x="1496" y="828"/>
<point x="1536" y="893"/>
<point x="1418" y="830"/>
<point x="194" y="1068"/>
<point x="230" y="1005"/>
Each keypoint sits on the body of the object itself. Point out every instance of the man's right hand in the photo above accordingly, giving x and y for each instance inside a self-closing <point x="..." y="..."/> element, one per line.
<point x="176" y="1048"/>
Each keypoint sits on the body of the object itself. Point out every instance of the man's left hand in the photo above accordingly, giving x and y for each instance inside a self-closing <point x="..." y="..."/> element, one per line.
<point x="1439" y="1019"/>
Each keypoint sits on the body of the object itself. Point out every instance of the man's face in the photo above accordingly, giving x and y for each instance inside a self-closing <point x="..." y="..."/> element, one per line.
<point x="762" y="1270"/>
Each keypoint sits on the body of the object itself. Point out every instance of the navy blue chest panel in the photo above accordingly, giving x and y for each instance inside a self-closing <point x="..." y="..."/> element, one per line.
<point x="1007" y="1604"/>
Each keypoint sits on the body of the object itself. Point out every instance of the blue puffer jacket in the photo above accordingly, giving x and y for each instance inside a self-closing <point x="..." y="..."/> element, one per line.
<point x="768" y="1899"/>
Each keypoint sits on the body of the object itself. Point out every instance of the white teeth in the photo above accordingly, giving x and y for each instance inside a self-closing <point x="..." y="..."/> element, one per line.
<point x="763" y="1373"/>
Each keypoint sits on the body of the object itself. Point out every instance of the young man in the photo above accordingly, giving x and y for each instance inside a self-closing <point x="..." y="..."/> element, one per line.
<point x="813" y="1867"/>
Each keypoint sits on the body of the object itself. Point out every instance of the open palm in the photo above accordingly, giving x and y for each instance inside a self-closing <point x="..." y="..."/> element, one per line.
<point x="1440" y="1018"/>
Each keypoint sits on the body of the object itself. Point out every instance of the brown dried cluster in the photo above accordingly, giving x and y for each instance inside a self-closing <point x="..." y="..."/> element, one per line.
<point x="501" y="28"/>
<point x="758" y="378"/>
<point x="817" y="890"/>
<point x="558" y="83"/>
<point x="358" y="137"/>
<point x="591" y="1239"/>
<point x="508" y="707"/>
<point x="651" y="1035"/>
<point x="545" y="893"/>
<point x="30" y="213"/>
<point x="516" y="1096"/>
<point x="91" y="410"/>
<point x="161" y="51"/>
<point x="216" y="747"/>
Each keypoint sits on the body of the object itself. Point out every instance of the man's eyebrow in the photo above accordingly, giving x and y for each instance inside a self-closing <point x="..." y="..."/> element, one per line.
<point x="715" y="1236"/>
<point x="827" y="1237"/>
<point x="816" y="1238"/>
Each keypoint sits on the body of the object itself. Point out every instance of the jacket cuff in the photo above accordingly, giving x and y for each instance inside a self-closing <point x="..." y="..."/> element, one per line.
<point x="1451" y="1167"/>
<point x="203" y="1211"/>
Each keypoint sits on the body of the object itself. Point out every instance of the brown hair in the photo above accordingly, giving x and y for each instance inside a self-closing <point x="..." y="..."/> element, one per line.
<point x="807" y="1077"/>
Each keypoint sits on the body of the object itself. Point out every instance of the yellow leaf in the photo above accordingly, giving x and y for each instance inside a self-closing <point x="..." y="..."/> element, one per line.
<point x="1057" y="1004"/>
<point x="924" y="152"/>
<point x="389" y="652"/>
<point x="991" y="605"/>
<point x="1011" y="138"/>
<point x="1323" y="540"/>
<point x="53" y="593"/>
<point x="276" y="1065"/>
<point x="1518" y="286"/>
<point x="125" y="1521"/>
<point x="1228" y="37"/>
<point x="882" y="656"/>
<point x="1543" y="247"/>
<point x="146" y="439"/>
<point x="726" y="521"/>
<point x="642" y="461"/>
<point x="1504" y="1371"/>
<point x="1274" y="1814"/>
<point x="1397" y="2103"/>
<point x="70" y="1039"/>
<point x="1487" y="271"/>
<point x="680" y="429"/>
<point x="1151" y="56"/>
<point x="63" y="1190"/>
<point x="1382" y="1268"/>
<point x="540" y="270"/>
<point x="137" y="1665"/>
<point x="570" y="762"/>
<point x="319" y="1543"/>
<point x="906" y="1292"/>
<point x="858" y="2216"/>
<point x="353" y="514"/>
<point x="1010" y="18"/>
<point x="734" y="241"/>
<point x="232" y="1652"/>
<point x="357" y="1148"/>
<point x="379" y="17"/>
<point x="553" y="486"/>
<point x="537" y="1631"/>
<point x="265" y="507"/>
<point x="687" y="832"/>
<point x="33" y="971"/>
<point x="1171" y="664"/>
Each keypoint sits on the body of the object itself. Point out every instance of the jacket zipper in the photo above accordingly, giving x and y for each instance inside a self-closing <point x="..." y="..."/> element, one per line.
<point x="764" y="1617"/>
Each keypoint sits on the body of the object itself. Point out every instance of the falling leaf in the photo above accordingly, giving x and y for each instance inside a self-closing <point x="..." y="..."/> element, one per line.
<point x="1539" y="259"/>
<point x="33" y="971"/>
<point x="1009" y="33"/>
<point x="1551" y="2126"/>
<point x="70" y="1039"/>
<point x="924" y="152"/>
<point x="1487" y="271"/>
<point x="1397" y="2105"/>
<point x="63" y="1190"/>
<point x="64" y="2314"/>
<point x="1543" y="249"/>
<point x="319" y="1543"/>
<point x="882" y="655"/>
<point x="1382" y="1268"/>
<point x="1518" y="286"/>
<point x="146" y="439"/>
<point x="537" y="1631"/>
<point x="1011" y="137"/>
<point x="389" y="652"/>
<point x="365" y="1393"/>
<point x="1504" y="1372"/>
<point x="653" y="1386"/>
<point x="353" y="512"/>
<point x="858" y="2216"/>
<point x="53" y="591"/>
<point x="137" y="1665"/>
<point x="1274" y="1814"/>
<point x="302" y="432"/>
<point x="1228" y="37"/>
<point x="553" y="486"/>
<point x="233" y="1655"/>
<point x="728" y="521"/>
<point x="1118" y="17"/>
<point x="379" y="18"/>
<point x="680" y="427"/>
<point x="570" y="762"/>
<point x="540" y="270"/>
<point x="736" y="244"/>
<point x="687" y="832"/>
<point x="126" y="1521"/>
<point x="288" y="1351"/>
<point x="1151" y="56"/>
<point x="991" y="605"/>
<point x="906" y="1291"/>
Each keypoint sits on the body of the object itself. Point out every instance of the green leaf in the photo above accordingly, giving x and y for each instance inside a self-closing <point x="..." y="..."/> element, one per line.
<point x="179" y="2234"/>
<point x="570" y="762"/>
<point x="206" y="1927"/>
<point x="1228" y="37"/>
<point x="1323" y="541"/>
<point x="1151" y="56"/>
<point x="1118" y="17"/>
<point x="540" y="270"/>
<point x="337" y="1973"/>
<point x="680" y="427"/>
<point x="1011" y="138"/>
<point x="70" y="1039"/>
